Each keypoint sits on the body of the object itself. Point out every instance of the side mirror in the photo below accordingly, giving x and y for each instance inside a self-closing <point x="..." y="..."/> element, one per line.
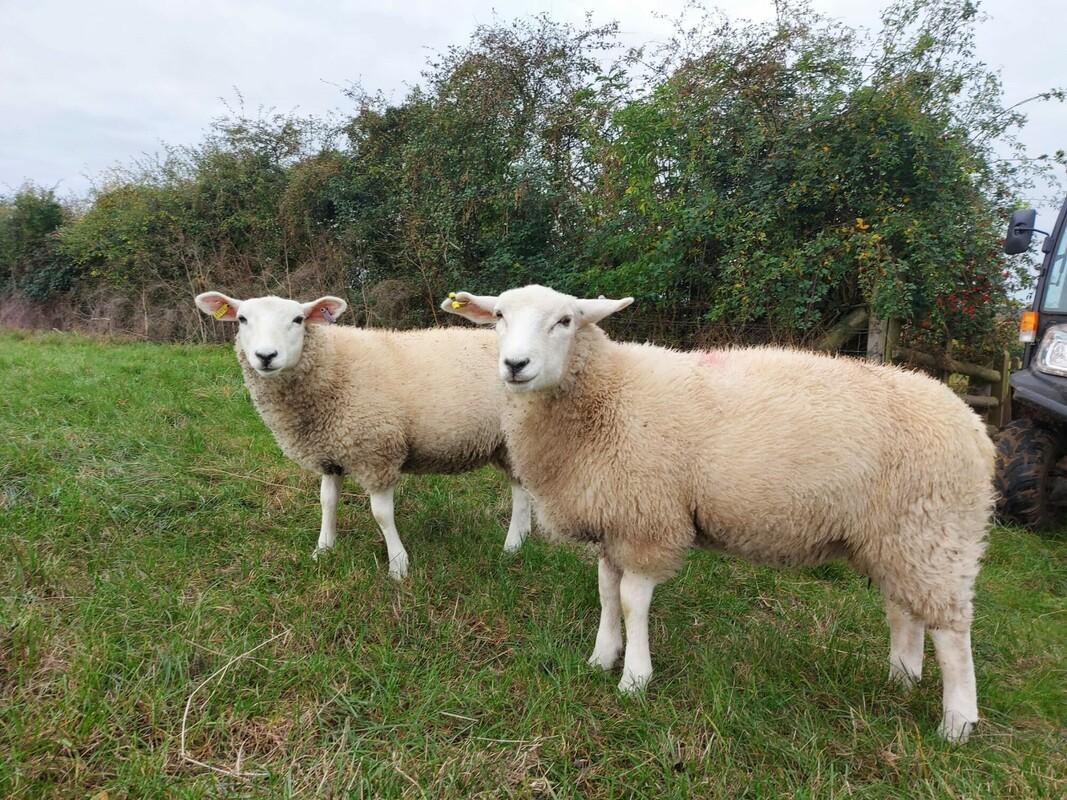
<point x="1020" y="231"/>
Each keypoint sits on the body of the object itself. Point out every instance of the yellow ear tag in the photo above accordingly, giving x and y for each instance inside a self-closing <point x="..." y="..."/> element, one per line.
<point x="220" y="312"/>
<point x="452" y="295"/>
<point x="457" y="303"/>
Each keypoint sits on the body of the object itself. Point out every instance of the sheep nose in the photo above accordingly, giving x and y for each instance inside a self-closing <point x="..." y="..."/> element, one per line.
<point x="266" y="358"/>
<point x="516" y="364"/>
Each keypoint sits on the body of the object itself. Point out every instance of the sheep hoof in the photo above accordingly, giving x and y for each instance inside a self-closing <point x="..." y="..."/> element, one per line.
<point x="633" y="683"/>
<point x="398" y="566"/>
<point x="955" y="728"/>
<point x="604" y="659"/>
<point x="512" y="546"/>
<point x="318" y="551"/>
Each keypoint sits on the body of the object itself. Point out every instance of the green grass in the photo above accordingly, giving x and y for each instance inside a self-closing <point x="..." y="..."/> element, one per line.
<point x="150" y="532"/>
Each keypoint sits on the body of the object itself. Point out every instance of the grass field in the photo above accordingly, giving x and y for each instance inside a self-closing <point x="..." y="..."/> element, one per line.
<point x="155" y="573"/>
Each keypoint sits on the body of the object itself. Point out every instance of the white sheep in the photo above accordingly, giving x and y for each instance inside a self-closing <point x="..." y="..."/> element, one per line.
<point x="784" y="457"/>
<point x="370" y="403"/>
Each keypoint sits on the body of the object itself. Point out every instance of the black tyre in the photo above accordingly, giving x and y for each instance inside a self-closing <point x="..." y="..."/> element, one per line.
<point x="1026" y="456"/>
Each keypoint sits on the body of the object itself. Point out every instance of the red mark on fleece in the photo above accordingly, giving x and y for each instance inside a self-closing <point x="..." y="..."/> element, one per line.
<point x="712" y="358"/>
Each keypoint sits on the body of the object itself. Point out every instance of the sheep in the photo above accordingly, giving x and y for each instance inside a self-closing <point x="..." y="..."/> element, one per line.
<point x="370" y="403"/>
<point x="783" y="457"/>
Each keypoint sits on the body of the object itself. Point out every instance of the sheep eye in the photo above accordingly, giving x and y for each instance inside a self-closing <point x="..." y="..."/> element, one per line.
<point x="298" y="320"/>
<point x="499" y="315"/>
<point x="242" y="319"/>
<point x="565" y="322"/>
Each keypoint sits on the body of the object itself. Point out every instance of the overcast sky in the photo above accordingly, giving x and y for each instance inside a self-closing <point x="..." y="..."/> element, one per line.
<point x="86" y="85"/>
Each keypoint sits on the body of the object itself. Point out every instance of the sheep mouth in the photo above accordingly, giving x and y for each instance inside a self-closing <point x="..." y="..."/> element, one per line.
<point x="518" y="385"/>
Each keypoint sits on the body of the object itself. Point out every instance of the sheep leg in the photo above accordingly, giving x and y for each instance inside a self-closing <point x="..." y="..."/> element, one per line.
<point x="520" y="519"/>
<point x="635" y="595"/>
<point x="609" y="635"/>
<point x="960" y="694"/>
<point x="905" y="645"/>
<point x="381" y="506"/>
<point x="329" y="492"/>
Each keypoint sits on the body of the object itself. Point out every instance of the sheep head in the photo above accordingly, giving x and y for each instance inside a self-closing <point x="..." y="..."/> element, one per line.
<point x="270" y="330"/>
<point x="535" y="328"/>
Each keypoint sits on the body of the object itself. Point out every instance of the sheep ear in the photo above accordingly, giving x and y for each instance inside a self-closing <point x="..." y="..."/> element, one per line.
<point x="593" y="311"/>
<point x="324" y="310"/>
<point x="218" y="305"/>
<point x="478" y="308"/>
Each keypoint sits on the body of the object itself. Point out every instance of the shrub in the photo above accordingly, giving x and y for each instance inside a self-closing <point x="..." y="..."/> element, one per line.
<point x="751" y="179"/>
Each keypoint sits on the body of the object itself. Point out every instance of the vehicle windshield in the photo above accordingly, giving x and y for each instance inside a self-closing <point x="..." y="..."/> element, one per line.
<point x="1056" y="288"/>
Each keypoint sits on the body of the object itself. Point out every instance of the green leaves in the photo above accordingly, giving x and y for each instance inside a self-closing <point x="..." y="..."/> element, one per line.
<point x="783" y="173"/>
<point x="29" y="259"/>
<point x="743" y="178"/>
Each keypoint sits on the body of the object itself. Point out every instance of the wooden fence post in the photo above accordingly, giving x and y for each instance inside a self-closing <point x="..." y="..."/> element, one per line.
<point x="882" y="338"/>
<point x="1001" y="415"/>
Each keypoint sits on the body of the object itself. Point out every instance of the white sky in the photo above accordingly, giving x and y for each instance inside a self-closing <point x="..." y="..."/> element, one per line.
<point x="86" y="85"/>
